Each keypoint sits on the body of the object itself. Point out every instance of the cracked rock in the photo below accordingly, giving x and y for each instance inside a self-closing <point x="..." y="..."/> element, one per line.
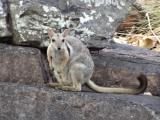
<point x="90" y="20"/>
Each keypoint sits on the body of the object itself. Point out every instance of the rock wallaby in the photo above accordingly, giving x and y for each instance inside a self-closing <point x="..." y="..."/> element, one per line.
<point x="73" y="66"/>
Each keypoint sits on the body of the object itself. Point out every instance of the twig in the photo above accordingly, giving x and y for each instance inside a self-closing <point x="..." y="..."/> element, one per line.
<point x="150" y="27"/>
<point x="127" y="34"/>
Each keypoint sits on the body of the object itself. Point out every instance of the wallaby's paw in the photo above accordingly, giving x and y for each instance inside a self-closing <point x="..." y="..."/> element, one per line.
<point x="52" y="69"/>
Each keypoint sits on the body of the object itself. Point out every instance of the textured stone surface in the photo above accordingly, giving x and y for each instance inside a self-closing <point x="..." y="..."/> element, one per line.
<point x="22" y="65"/>
<point x="31" y="103"/>
<point x="4" y="25"/>
<point x="119" y="65"/>
<point x="92" y="21"/>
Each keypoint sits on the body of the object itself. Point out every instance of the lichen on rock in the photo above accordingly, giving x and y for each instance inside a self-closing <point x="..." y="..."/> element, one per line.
<point x="87" y="18"/>
<point x="4" y="31"/>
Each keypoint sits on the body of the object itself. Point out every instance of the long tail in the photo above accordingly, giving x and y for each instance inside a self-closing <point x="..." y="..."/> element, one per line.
<point x="141" y="78"/>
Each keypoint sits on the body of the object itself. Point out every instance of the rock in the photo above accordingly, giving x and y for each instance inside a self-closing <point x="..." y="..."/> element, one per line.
<point x="119" y="65"/>
<point x="132" y="19"/>
<point x="22" y="65"/>
<point x="92" y="21"/>
<point x="18" y="102"/>
<point x="4" y="23"/>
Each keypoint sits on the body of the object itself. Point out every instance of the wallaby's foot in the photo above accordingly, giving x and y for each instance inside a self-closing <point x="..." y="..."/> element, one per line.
<point x="59" y="86"/>
<point x="54" y="85"/>
<point x="68" y="88"/>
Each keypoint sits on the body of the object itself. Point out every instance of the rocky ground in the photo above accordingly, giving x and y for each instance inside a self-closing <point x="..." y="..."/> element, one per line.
<point x="24" y="69"/>
<point x="39" y="103"/>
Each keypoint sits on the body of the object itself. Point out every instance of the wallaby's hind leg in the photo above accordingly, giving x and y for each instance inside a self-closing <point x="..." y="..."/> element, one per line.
<point x="77" y="75"/>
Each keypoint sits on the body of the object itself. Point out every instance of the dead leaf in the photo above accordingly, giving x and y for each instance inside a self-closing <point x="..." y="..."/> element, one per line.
<point x="141" y="41"/>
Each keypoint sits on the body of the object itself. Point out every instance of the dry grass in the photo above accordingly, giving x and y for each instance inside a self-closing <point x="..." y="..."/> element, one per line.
<point x="142" y="25"/>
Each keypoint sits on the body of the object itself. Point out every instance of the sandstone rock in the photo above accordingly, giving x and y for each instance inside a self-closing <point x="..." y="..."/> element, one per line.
<point x="4" y="24"/>
<point x="22" y="65"/>
<point x="92" y="21"/>
<point x="119" y="65"/>
<point x="18" y="102"/>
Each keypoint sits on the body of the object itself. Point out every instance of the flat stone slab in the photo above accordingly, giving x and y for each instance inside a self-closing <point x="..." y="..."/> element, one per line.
<point x="22" y="65"/>
<point x="19" y="102"/>
<point x="119" y="65"/>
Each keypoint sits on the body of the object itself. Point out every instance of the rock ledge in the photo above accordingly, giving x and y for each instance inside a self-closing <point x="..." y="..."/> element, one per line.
<point x="40" y="103"/>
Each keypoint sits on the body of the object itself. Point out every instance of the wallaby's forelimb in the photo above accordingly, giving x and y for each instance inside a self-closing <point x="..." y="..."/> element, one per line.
<point x="50" y="57"/>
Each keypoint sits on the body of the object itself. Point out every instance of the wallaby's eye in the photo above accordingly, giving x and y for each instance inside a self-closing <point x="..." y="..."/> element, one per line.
<point x="62" y="40"/>
<point x="53" y="40"/>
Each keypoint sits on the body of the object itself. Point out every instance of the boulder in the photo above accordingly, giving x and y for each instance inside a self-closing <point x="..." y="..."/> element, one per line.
<point x="22" y="65"/>
<point x="20" y="102"/>
<point x="93" y="22"/>
<point x="4" y="20"/>
<point x="118" y="65"/>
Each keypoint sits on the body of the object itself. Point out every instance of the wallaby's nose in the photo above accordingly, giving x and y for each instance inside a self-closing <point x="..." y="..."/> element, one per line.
<point x="59" y="48"/>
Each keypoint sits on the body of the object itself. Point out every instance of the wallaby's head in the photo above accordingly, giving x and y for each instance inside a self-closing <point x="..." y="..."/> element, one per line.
<point x="58" y="39"/>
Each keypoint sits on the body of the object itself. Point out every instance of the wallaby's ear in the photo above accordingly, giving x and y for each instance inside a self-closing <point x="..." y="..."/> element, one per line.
<point x="66" y="32"/>
<point x="50" y="33"/>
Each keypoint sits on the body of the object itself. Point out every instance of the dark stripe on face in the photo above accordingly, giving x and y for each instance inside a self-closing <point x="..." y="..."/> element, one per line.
<point x="68" y="49"/>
